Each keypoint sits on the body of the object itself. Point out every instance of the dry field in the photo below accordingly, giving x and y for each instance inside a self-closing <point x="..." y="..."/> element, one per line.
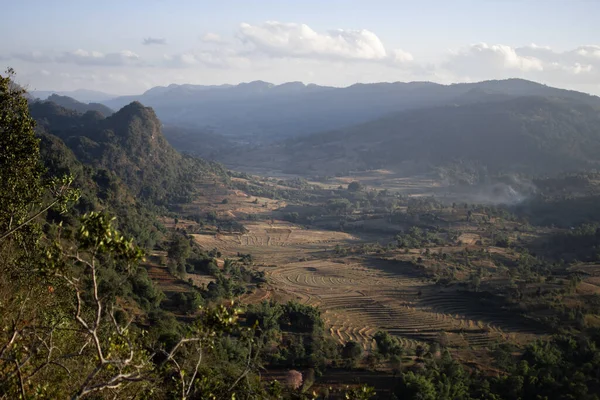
<point x="590" y="284"/>
<point x="375" y="179"/>
<point x="166" y="282"/>
<point x="160" y="274"/>
<point x="279" y="242"/>
<point x="383" y="179"/>
<point x="360" y="295"/>
<point x="231" y="203"/>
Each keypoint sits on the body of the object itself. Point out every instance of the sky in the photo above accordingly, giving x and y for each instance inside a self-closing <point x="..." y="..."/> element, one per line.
<point x="128" y="46"/>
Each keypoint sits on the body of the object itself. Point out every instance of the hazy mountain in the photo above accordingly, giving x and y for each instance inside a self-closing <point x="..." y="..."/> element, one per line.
<point x="203" y="143"/>
<point x="72" y="104"/>
<point x="82" y="95"/>
<point x="260" y="111"/>
<point x="526" y="134"/>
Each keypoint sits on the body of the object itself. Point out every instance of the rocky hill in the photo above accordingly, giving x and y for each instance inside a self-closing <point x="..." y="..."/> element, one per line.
<point x="131" y="145"/>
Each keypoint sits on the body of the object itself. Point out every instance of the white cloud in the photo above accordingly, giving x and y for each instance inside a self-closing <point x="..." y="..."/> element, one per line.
<point x="589" y="51"/>
<point x="401" y="56"/>
<point x="577" y="68"/>
<point x="149" y="41"/>
<point x="83" y="57"/>
<point x="581" y="54"/>
<point x="210" y="37"/>
<point x="80" y="57"/>
<point x="278" y="39"/>
<point x="280" y="52"/>
<point x="543" y="53"/>
<point x="261" y="44"/>
<point x="565" y="74"/>
<point x="32" y="56"/>
<point x="482" y="57"/>
<point x="221" y="58"/>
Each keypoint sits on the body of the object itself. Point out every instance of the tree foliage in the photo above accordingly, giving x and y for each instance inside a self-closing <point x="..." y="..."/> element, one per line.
<point x="20" y="169"/>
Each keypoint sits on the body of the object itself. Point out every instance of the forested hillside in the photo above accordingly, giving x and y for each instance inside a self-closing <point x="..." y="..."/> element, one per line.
<point x="83" y="198"/>
<point x="80" y="316"/>
<point x="197" y="141"/>
<point x="129" y="143"/>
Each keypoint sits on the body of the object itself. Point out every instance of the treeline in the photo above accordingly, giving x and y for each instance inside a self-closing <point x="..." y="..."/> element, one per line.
<point x="562" y="368"/>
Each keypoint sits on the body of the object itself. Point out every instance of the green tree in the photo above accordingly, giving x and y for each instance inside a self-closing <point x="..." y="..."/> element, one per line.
<point x="352" y="353"/>
<point x="20" y="170"/>
<point x="179" y="249"/>
<point x="387" y="345"/>
<point x="416" y="387"/>
<point x="355" y="186"/>
<point x="363" y="392"/>
<point x="339" y="206"/>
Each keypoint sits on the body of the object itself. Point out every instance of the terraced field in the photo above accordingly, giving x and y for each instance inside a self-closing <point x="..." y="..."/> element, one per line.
<point x="359" y="298"/>
<point x="275" y="243"/>
<point x="360" y="295"/>
<point x="590" y="274"/>
<point x="166" y="282"/>
<point x="231" y="203"/>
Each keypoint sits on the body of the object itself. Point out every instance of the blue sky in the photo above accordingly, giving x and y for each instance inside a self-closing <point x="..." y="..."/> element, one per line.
<point x="69" y="44"/>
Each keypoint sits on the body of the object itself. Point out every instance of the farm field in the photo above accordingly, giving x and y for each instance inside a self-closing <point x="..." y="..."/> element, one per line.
<point x="232" y="204"/>
<point x="377" y="179"/>
<point x="359" y="295"/>
<point x="273" y="243"/>
<point x="377" y="254"/>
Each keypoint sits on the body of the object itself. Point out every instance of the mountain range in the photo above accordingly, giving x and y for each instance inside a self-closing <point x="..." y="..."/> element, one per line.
<point x="528" y="134"/>
<point x="509" y="126"/>
<point x="82" y="95"/>
<point x="259" y="112"/>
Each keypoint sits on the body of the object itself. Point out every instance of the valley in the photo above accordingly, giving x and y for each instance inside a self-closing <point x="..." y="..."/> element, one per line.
<point x="350" y="265"/>
<point x="283" y="200"/>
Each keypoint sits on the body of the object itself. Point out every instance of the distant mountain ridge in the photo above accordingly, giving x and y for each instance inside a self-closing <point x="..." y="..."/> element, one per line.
<point x="82" y="95"/>
<point x="72" y="104"/>
<point x="263" y="112"/>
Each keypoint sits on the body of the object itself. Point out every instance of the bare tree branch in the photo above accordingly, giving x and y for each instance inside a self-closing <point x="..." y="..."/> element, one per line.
<point x="21" y="383"/>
